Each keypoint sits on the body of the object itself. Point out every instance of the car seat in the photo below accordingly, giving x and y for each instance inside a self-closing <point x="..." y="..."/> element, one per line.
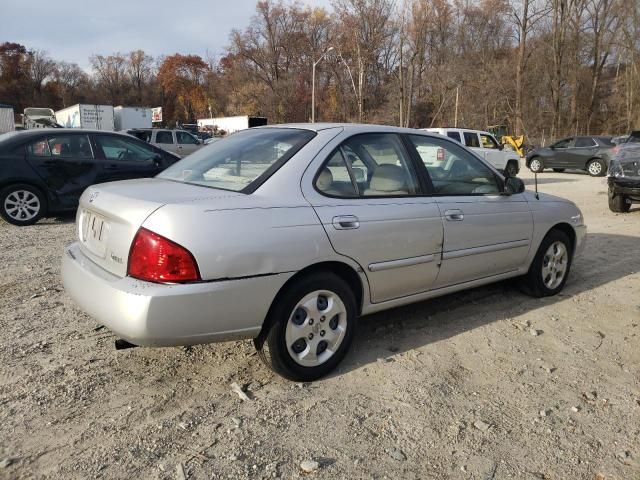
<point x="387" y="180"/>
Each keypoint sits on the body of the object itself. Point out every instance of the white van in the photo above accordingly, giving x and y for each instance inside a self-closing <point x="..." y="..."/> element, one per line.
<point x="485" y="145"/>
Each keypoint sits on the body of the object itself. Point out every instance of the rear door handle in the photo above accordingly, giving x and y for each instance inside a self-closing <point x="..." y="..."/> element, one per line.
<point x="454" y="215"/>
<point x="346" y="222"/>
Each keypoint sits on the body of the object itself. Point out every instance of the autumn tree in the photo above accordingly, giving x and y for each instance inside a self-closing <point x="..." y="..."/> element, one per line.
<point x="181" y="78"/>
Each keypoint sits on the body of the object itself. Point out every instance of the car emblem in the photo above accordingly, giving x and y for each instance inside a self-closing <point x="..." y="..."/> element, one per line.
<point x="93" y="196"/>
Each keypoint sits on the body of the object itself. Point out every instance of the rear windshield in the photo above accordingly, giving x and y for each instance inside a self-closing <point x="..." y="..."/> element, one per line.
<point x="240" y="162"/>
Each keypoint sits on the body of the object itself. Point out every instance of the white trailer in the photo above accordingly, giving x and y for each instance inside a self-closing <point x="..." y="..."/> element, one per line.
<point x="232" y="124"/>
<point x="126" y="118"/>
<point x="94" y="117"/>
<point x="7" y="123"/>
<point x="36" y="117"/>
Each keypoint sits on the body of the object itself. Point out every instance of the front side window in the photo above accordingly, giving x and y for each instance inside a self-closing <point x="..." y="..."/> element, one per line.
<point x="122" y="149"/>
<point x="566" y="143"/>
<point x="488" y="141"/>
<point x="39" y="148"/>
<point x="375" y="164"/>
<point x="164" y="136"/>
<point x="583" y="142"/>
<point x="471" y="139"/>
<point x="453" y="170"/>
<point x="185" y="138"/>
<point x="239" y="162"/>
<point x="70" y="146"/>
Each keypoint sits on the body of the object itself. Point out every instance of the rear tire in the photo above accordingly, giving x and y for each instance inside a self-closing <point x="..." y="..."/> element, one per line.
<point x="618" y="203"/>
<point x="21" y="204"/>
<point x="536" y="165"/>
<point x="558" y="170"/>
<point x="596" y="168"/>
<point x="309" y="328"/>
<point x="550" y="268"/>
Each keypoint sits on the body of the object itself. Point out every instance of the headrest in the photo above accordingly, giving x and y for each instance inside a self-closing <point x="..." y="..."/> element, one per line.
<point x="325" y="180"/>
<point x="388" y="178"/>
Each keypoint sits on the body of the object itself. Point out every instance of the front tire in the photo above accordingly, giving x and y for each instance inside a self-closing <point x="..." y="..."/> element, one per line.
<point x="596" y="168"/>
<point x="22" y="204"/>
<point x="618" y="203"/>
<point x="549" y="270"/>
<point x="536" y="165"/>
<point x="310" y="328"/>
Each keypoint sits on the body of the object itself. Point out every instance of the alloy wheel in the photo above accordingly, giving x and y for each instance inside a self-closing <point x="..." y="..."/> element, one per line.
<point x="554" y="265"/>
<point x="316" y="328"/>
<point x="22" y="205"/>
<point x="595" y="168"/>
<point x="535" y="165"/>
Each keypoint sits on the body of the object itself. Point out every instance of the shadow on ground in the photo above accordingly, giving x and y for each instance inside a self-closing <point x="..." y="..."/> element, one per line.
<point x="607" y="258"/>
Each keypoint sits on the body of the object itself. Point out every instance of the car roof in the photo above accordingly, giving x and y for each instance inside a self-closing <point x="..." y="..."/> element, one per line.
<point x="352" y="128"/>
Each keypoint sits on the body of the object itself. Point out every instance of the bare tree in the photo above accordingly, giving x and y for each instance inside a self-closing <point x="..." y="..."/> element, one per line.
<point x="41" y="68"/>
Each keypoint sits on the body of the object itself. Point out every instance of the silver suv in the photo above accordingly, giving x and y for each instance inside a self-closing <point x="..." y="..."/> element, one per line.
<point x="180" y="142"/>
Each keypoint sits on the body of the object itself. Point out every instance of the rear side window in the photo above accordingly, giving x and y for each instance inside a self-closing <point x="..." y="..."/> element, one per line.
<point x="374" y="164"/>
<point x="164" y="136"/>
<point x="471" y="140"/>
<point x="39" y="148"/>
<point x="585" y="142"/>
<point x="455" y="136"/>
<point x="70" y="146"/>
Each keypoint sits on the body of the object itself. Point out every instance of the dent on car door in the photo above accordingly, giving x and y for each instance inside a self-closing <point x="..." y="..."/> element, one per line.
<point x="369" y="201"/>
<point x="66" y="164"/>
<point x="124" y="158"/>
<point x="485" y="233"/>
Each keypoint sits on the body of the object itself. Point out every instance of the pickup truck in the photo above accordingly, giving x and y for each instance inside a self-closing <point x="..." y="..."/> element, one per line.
<point x="485" y="145"/>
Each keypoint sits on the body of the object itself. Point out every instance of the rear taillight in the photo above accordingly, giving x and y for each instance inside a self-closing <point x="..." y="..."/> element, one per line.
<point x="157" y="259"/>
<point x="440" y="154"/>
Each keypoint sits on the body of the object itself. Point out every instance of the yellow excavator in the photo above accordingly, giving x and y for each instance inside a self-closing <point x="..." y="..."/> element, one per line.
<point x="500" y="131"/>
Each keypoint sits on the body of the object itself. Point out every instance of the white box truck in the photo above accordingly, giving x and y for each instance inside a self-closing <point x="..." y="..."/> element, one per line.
<point x="126" y="118"/>
<point x="7" y="123"/>
<point x="232" y="124"/>
<point x="94" y="117"/>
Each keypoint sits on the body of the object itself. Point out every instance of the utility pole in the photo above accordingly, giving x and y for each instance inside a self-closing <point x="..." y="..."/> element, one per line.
<point x="455" y="118"/>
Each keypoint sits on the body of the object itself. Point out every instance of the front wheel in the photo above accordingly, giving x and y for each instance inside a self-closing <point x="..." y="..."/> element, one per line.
<point x="550" y="268"/>
<point x="21" y="204"/>
<point x="310" y="328"/>
<point x="618" y="203"/>
<point x="596" y="168"/>
<point x="536" y="165"/>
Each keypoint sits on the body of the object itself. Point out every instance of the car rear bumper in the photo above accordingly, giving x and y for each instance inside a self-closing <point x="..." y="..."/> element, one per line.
<point x="152" y="314"/>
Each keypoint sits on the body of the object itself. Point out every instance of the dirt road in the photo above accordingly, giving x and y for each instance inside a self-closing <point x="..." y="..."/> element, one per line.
<point x="486" y="384"/>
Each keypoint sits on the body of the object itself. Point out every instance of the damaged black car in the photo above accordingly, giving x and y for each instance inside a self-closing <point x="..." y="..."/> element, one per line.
<point x="624" y="177"/>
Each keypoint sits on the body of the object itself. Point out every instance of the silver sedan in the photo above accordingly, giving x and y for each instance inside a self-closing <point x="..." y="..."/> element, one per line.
<point x="288" y="234"/>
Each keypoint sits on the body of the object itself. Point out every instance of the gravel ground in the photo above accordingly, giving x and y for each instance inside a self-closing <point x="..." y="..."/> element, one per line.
<point x="485" y="384"/>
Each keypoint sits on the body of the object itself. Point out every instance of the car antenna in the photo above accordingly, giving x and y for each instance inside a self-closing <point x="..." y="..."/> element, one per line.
<point x="535" y="177"/>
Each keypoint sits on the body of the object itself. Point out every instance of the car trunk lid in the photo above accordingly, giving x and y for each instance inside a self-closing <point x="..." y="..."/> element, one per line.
<point x="110" y="215"/>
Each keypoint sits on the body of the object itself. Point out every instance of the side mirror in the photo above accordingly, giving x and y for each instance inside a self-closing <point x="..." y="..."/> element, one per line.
<point x="513" y="185"/>
<point x="501" y="146"/>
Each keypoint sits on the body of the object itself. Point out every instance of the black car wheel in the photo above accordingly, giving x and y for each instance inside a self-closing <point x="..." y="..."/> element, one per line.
<point x="558" y="170"/>
<point x="596" y="168"/>
<point x="309" y="328"/>
<point x="536" y="165"/>
<point x="22" y="204"/>
<point x="618" y="203"/>
<point x="550" y="267"/>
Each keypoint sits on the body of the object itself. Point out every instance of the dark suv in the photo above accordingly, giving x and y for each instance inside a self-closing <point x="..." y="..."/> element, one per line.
<point x="624" y="177"/>
<point x="590" y="154"/>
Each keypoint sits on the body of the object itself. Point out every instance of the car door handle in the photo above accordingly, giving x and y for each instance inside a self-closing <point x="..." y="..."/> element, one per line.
<point x="346" y="222"/>
<point x="454" y="215"/>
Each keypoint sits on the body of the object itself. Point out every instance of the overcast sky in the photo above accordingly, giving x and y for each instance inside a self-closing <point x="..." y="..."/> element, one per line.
<point x="73" y="30"/>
